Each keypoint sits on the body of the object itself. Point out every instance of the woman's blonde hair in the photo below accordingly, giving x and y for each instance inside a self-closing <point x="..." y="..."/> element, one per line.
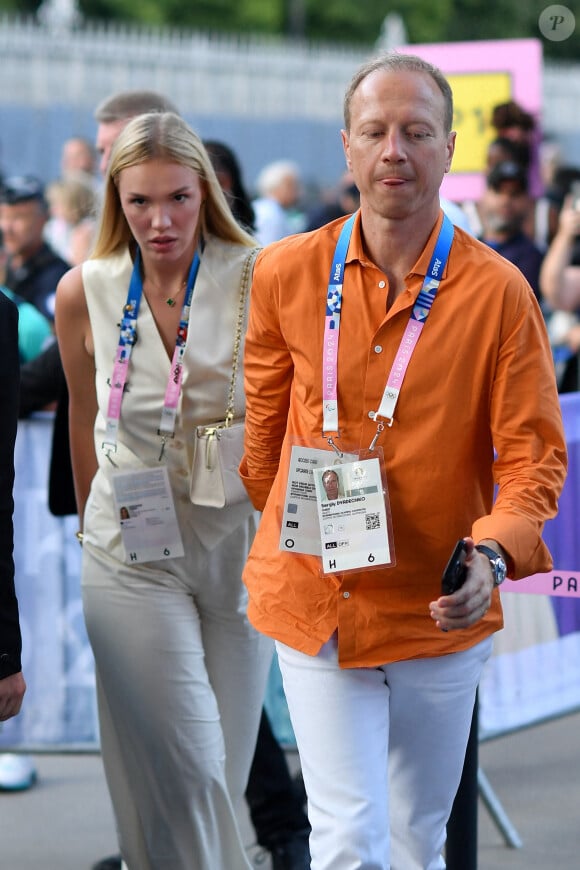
<point x="162" y="136"/>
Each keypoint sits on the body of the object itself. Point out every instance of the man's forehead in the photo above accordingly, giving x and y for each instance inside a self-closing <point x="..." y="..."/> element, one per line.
<point x="404" y="78"/>
<point x="406" y="88"/>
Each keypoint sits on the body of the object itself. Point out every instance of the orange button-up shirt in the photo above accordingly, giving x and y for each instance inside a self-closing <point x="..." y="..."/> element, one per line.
<point x="481" y="379"/>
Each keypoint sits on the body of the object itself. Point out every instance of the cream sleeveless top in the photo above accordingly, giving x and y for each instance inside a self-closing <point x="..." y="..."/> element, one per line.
<point x="207" y="367"/>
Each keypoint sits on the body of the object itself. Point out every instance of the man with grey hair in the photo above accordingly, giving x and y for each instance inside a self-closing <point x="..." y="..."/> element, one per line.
<point x="392" y="343"/>
<point x="77" y="156"/>
<point x="278" y="185"/>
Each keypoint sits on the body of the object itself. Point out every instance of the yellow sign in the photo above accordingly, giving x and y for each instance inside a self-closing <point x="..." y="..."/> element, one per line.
<point x="474" y="97"/>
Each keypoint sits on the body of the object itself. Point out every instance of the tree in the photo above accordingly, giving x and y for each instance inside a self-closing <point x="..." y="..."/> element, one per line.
<point x="346" y="22"/>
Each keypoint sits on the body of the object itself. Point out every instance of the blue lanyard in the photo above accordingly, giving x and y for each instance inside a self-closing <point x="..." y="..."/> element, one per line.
<point x="417" y="320"/>
<point x="127" y="339"/>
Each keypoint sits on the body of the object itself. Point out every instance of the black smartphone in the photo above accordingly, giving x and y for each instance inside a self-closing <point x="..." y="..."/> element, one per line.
<point x="455" y="572"/>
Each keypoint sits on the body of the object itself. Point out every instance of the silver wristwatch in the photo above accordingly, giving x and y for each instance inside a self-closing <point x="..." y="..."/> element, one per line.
<point x="498" y="565"/>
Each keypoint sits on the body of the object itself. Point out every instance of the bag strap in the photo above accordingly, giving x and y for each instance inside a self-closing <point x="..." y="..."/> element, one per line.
<point x="244" y="289"/>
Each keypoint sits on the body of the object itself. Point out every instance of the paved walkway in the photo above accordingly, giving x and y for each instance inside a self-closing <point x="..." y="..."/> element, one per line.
<point x="65" y="821"/>
<point x="535" y="774"/>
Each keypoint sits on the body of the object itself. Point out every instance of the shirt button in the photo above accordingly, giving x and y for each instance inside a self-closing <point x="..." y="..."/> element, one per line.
<point x="378" y="348"/>
<point x="346" y="594"/>
<point x="382" y="284"/>
<point x="372" y="415"/>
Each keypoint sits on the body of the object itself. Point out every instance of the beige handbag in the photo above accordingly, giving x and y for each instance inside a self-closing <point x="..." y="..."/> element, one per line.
<point x="218" y="448"/>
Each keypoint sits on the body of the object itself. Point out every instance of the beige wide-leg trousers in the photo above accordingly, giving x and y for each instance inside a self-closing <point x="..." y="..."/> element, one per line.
<point x="181" y="676"/>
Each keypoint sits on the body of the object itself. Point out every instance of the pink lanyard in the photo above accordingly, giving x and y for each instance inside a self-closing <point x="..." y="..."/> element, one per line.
<point x="417" y="320"/>
<point x="127" y="340"/>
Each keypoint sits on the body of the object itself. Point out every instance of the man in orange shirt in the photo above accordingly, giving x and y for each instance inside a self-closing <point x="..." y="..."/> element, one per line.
<point x="417" y="358"/>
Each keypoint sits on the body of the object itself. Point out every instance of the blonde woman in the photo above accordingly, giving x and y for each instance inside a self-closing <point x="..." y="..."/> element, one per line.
<point x="180" y="672"/>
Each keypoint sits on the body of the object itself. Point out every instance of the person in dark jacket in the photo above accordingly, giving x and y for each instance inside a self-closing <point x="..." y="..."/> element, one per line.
<point x="33" y="268"/>
<point x="504" y="210"/>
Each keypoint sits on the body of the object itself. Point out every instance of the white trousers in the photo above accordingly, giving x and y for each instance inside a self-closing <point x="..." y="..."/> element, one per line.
<point x="181" y="677"/>
<point x="382" y="751"/>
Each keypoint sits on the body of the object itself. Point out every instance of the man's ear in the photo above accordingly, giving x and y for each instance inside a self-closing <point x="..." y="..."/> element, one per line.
<point x="346" y="147"/>
<point x="450" y="149"/>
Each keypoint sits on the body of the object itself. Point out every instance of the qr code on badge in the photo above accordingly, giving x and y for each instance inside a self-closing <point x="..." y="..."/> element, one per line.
<point x="372" y="521"/>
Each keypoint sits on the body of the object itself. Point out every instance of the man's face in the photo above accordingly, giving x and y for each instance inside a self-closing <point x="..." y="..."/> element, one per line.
<point x="397" y="147"/>
<point x="504" y="209"/>
<point x="330" y="484"/>
<point x="22" y="225"/>
<point x="107" y="134"/>
<point x="76" y="157"/>
<point x="288" y="191"/>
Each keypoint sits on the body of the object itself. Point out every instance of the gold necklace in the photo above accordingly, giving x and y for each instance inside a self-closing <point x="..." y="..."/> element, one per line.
<point x="169" y="300"/>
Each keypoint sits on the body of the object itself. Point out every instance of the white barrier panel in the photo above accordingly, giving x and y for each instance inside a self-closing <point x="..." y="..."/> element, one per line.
<point x="534" y="673"/>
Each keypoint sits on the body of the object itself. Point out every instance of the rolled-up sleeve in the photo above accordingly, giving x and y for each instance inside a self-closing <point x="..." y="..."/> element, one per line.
<point x="529" y="440"/>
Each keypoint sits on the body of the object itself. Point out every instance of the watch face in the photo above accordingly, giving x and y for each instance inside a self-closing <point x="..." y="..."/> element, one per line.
<point x="498" y="565"/>
<point x="500" y="570"/>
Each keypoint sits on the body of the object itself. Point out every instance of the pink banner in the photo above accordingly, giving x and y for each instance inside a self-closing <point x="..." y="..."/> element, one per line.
<point x="482" y="74"/>
<point x="559" y="583"/>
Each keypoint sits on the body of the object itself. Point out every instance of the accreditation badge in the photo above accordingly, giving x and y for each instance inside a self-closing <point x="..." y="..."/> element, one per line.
<point x="146" y="512"/>
<point x="336" y="507"/>
<point x="299" y="532"/>
<point x="353" y="515"/>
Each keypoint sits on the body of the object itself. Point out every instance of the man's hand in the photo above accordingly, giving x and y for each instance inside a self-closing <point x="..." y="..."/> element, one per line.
<point x="12" y="691"/>
<point x="472" y="601"/>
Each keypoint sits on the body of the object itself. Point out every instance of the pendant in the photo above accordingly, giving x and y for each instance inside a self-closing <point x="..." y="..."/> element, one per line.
<point x="170" y="302"/>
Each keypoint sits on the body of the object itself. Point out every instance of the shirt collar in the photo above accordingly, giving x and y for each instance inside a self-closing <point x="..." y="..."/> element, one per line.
<point x="422" y="265"/>
<point x="356" y="249"/>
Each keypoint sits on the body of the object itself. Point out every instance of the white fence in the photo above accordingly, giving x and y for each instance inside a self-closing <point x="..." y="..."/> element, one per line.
<point x="268" y="97"/>
<point x="204" y="74"/>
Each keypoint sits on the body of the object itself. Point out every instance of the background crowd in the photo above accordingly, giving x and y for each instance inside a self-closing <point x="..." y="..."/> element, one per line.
<point x="48" y="226"/>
